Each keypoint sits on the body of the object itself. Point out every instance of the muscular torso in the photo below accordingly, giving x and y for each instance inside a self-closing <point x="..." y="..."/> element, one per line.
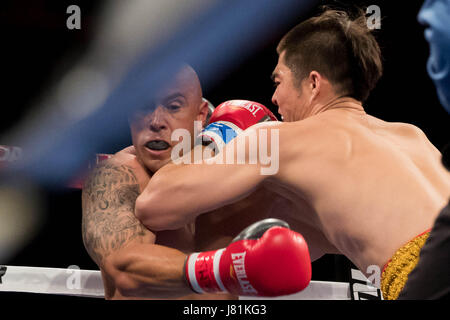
<point x="369" y="186"/>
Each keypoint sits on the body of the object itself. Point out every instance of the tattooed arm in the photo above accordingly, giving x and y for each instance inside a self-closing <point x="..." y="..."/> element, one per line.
<point x="125" y="251"/>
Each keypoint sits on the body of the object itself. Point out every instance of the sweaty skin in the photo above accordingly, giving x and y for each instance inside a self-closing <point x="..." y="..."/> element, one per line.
<point x="356" y="184"/>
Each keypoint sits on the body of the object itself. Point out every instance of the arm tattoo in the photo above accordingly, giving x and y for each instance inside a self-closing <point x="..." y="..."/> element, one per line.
<point x="108" y="223"/>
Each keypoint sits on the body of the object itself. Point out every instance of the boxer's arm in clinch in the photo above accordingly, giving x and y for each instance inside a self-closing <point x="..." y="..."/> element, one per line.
<point x="199" y="188"/>
<point x="128" y="257"/>
<point x="121" y="246"/>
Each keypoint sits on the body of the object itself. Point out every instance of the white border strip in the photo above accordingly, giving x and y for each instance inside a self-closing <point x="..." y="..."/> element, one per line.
<point x="88" y="283"/>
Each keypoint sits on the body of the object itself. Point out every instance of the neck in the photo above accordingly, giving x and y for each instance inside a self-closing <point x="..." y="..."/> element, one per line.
<point x="337" y="103"/>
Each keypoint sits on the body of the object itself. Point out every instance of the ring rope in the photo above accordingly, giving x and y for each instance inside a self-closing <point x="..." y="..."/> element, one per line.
<point x="88" y="283"/>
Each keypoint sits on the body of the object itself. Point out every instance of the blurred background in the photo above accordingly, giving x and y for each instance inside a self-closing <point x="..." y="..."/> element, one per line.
<point x="38" y="51"/>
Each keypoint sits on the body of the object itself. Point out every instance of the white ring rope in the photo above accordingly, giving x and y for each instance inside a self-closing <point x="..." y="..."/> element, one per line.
<point x="88" y="283"/>
<point x="72" y="282"/>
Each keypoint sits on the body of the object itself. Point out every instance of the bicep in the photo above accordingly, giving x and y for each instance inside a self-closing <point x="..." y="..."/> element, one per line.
<point x="108" y="221"/>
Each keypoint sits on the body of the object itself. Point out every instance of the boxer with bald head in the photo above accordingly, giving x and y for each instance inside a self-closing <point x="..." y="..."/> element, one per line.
<point x="138" y="263"/>
<point x="110" y="230"/>
<point x="361" y="186"/>
<point x="178" y="105"/>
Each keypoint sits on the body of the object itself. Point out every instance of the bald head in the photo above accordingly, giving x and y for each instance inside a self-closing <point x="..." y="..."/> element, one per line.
<point x="177" y="105"/>
<point x="185" y="83"/>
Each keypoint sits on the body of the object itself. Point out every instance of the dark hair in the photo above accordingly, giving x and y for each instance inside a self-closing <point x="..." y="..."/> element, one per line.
<point x="339" y="48"/>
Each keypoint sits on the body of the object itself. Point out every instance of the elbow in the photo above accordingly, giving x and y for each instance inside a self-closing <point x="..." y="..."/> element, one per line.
<point x="142" y="210"/>
<point x="148" y="214"/>
<point x="154" y="213"/>
<point x="123" y="283"/>
<point x="126" y="286"/>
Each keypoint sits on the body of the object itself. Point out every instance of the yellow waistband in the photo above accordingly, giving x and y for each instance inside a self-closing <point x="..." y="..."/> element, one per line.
<point x="396" y="271"/>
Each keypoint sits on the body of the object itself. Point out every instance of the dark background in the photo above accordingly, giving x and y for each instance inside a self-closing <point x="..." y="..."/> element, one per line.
<point x="37" y="48"/>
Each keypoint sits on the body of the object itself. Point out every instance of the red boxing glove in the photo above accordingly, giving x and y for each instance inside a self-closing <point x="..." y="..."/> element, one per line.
<point x="266" y="259"/>
<point x="242" y="113"/>
<point x="231" y="118"/>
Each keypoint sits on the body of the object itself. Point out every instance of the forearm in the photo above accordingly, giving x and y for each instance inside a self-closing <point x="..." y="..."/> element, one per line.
<point x="181" y="194"/>
<point x="178" y="193"/>
<point x="148" y="271"/>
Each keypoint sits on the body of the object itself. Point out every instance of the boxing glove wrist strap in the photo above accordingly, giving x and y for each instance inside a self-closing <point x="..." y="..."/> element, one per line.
<point x="202" y="271"/>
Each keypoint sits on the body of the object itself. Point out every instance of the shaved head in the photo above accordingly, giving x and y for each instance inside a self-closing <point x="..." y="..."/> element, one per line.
<point x="176" y="105"/>
<point x="186" y="83"/>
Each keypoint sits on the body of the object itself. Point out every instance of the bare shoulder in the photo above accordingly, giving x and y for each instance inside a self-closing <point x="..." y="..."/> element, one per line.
<point x="419" y="135"/>
<point x="407" y="129"/>
<point x="300" y="131"/>
<point x="110" y="173"/>
<point x="414" y="136"/>
<point x="283" y="126"/>
<point x="400" y="128"/>
<point x="127" y="157"/>
<point x="303" y="137"/>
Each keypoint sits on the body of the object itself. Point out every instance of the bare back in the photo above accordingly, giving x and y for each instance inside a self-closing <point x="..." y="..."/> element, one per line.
<point x="371" y="186"/>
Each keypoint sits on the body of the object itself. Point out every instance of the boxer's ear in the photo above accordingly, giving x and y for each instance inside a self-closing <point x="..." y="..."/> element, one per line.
<point x="203" y="113"/>
<point x="315" y="84"/>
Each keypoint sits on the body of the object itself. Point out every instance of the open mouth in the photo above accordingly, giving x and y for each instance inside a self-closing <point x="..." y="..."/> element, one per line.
<point x="157" y="145"/>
